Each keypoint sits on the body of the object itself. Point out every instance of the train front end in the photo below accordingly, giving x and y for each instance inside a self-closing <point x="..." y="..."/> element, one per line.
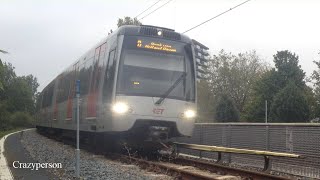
<point x="155" y="89"/>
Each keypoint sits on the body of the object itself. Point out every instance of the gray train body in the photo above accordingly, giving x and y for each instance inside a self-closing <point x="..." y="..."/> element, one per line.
<point x="139" y="81"/>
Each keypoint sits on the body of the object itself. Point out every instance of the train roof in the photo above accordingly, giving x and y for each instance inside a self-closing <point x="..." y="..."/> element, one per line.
<point x="141" y="30"/>
<point x="152" y="31"/>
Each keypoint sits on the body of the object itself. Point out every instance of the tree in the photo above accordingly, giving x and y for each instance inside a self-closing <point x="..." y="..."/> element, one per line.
<point x="1" y="76"/>
<point x="225" y="110"/>
<point x="287" y="65"/>
<point x="235" y="75"/>
<point x="290" y="105"/>
<point x="17" y="97"/>
<point x="20" y="96"/>
<point x="205" y="98"/>
<point x="128" y="21"/>
<point x="316" y="88"/>
<point x="7" y="75"/>
<point x="263" y="90"/>
<point x="287" y="69"/>
<point x="33" y="84"/>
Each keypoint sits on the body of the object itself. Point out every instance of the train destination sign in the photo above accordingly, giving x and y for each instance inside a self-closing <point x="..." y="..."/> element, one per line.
<point x="156" y="46"/>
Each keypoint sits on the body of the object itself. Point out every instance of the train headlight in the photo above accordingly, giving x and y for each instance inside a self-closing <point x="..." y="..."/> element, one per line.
<point x="189" y="114"/>
<point x="120" y="108"/>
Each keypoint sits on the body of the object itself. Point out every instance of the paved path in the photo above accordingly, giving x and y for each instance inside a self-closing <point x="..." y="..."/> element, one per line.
<point x="14" y="151"/>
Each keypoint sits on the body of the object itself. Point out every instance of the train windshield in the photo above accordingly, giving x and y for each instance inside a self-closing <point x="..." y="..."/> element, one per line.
<point x="151" y="72"/>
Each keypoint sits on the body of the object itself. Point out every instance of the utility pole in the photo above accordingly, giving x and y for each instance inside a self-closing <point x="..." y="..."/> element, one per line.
<point x="266" y="111"/>
<point x="78" y="149"/>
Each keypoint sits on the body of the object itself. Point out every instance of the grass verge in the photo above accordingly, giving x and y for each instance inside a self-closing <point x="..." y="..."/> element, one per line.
<point x="3" y="133"/>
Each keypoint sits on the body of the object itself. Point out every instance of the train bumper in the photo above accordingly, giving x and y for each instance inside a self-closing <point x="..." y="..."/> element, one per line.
<point x="173" y="127"/>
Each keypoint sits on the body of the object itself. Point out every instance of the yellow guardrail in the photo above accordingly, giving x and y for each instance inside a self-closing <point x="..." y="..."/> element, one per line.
<point x="234" y="150"/>
<point x="220" y="150"/>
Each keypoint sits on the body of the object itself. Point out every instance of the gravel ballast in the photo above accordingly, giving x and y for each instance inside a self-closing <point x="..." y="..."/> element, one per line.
<point x="92" y="166"/>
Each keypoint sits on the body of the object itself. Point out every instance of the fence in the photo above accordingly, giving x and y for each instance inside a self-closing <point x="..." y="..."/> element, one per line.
<point x="303" y="139"/>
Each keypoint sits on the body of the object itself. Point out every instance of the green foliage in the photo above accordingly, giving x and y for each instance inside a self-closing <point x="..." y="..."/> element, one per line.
<point x="205" y="99"/>
<point x="273" y="86"/>
<point x="8" y="75"/>
<point x="17" y="98"/>
<point x="288" y="67"/>
<point x="1" y="76"/>
<point x="232" y="75"/>
<point x="316" y="84"/>
<point x="5" y="132"/>
<point x="128" y="21"/>
<point x="21" y="98"/>
<point x="21" y="119"/>
<point x="225" y="110"/>
<point x="263" y="90"/>
<point x="4" y="117"/>
<point x="290" y="105"/>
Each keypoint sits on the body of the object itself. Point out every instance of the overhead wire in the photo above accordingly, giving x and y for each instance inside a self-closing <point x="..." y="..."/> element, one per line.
<point x="216" y="16"/>
<point x="4" y="52"/>
<point x="155" y="9"/>
<point x="148" y="8"/>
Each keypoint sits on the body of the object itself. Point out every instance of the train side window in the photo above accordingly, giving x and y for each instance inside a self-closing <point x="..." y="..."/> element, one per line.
<point x="50" y="95"/>
<point x="108" y="79"/>
<point x="39" y="102"/>
<point x="43" y="103"/>
<point x="63" y="87"/>
<point x="84" y="76"/>
<point x="47" y="96"/>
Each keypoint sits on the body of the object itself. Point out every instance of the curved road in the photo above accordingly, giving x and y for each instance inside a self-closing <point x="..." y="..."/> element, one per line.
<point x="14" y="151"/>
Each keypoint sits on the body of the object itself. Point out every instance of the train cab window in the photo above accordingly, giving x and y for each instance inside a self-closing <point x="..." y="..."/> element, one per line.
<point x="150" y="66"/>
<point x="151" y="74"/>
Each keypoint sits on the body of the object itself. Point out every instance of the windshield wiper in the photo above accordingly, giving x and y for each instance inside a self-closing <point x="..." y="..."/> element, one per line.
<point x="166" y="94"/>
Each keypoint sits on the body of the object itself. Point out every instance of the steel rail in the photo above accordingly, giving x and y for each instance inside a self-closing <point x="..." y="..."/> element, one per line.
<point x="213" y="167"/>
<point x="184" y="173"/>
<point x="161" y="168"/>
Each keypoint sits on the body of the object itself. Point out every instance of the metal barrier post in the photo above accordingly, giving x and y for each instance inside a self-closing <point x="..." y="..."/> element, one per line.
<point x="229" y="142"/>
<point x="267" y="138"/>
<point x="267" y="164"/>
<point x="78" y="149"/>
<point x="201" y="140"/>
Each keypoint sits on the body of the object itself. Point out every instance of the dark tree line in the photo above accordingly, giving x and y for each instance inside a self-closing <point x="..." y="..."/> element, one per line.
<point x="17" y="98"/>
<point x="240" y="84"/>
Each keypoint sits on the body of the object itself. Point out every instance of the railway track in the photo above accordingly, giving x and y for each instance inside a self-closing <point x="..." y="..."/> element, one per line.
<point x="181" y="167"/>
<point x="188" y="168"/>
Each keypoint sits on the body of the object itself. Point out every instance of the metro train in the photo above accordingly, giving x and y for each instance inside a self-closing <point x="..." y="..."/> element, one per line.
<point x="137" y="84"/>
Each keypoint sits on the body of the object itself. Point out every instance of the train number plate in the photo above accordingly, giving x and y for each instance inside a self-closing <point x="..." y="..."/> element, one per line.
<point x="157" y="110"/>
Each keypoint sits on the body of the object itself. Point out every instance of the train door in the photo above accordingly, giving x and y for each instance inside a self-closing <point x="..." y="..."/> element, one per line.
<point x="95" y="81"/>
<point x="109" y="76"/>
<point x="71" y="93"/>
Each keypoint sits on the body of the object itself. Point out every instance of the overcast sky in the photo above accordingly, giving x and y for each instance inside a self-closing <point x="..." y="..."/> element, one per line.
<point x="44" y="37"/>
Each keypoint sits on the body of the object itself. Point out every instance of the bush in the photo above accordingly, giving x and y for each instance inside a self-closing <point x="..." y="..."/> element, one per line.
<point x="21" y="119"/>
<point x="225" y="110"/>
<point x="4" y="120"/>
<point x="4" y="117"/>
<point x="290" y="105"/>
